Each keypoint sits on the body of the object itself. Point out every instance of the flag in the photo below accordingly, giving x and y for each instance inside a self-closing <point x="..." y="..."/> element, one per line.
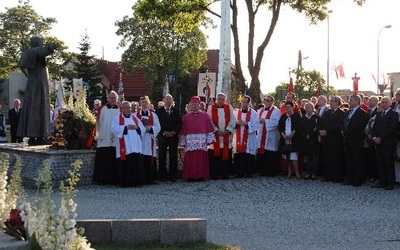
<point x="384" y="82"/>
<point x="339" y="71"/>
<point x="291" y="86"/>
<point x="78" y="85"/>
<point x="166" y="86"/>
<point x="373" y="77"/>
<point x="120" y="89"/>
<point x="60" y="100"/>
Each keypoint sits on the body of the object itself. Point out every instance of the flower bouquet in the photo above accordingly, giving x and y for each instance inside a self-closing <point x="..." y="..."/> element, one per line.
<point x="75" y="125"/>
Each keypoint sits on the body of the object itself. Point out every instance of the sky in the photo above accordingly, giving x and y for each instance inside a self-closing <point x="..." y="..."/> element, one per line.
<point x="353" y="33"/>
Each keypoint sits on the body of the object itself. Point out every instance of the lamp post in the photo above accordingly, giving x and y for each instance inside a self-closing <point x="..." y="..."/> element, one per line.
<point x="327" y="60"/>
<point x="377" y="72"/>
<point x="34" y="22"/>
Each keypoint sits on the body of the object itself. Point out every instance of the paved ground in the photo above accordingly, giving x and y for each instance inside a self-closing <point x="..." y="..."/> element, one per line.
<point x="261" y="213"/>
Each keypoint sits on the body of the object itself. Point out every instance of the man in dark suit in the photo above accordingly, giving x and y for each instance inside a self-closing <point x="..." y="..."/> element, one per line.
<point x="171" y="123"/>
<point x="371" y="170"/>
<point x="354" y="124"/>
<point x="321" y="111"/>
<point x="384" y="136"/>
<point x="396" y="104"/>
<point x="13" y="117"/>
<point x="330" y="130"/>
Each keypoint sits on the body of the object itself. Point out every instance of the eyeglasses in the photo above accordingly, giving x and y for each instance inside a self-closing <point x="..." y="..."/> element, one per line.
<point x="268" y="100"/>
<point x="397" y="93"/>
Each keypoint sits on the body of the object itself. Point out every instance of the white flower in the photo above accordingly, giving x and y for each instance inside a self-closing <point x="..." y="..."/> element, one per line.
<point x="3" y="183"/>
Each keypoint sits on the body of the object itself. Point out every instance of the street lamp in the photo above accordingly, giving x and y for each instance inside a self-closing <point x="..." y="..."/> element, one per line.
<point x="327" y="60"/>
<point x="36" y="23"/>
<point x="377" y="72"/>
<point x="25" y="18"/>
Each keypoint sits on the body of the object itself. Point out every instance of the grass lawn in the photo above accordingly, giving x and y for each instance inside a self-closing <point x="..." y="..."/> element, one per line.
<point x="206" y="246"/>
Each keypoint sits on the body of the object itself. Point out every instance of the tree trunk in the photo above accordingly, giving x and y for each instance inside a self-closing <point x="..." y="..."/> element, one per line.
<point x="255" y="90"/>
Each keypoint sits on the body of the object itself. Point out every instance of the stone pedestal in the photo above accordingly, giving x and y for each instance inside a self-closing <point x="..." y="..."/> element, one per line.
<point x="59" y="162"/>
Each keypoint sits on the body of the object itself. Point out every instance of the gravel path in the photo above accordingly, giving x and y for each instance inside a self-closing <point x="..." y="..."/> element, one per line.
<point x="261" y="213"/>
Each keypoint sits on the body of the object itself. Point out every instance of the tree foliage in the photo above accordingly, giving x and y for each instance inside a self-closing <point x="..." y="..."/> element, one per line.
<point x="86" y="67"/>
<point x="306" y="84"/>
<point x="160" y="47"/>
<point x="312" y="9"/>
<point x="17" y="26"/>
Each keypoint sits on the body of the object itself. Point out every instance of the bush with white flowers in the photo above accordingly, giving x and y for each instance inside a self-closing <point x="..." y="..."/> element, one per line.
<point x="46" y="226"/>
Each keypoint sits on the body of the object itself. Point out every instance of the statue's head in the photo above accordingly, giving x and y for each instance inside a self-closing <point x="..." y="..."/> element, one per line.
<point x="36" y="42"/>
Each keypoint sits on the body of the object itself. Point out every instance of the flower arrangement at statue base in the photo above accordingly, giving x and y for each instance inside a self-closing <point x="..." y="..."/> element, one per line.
<point x="39" y="222"/>
<point x="75" y="125"/>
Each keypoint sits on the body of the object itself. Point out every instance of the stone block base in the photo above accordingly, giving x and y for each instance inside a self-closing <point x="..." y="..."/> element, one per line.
<point x="145" y="231"/>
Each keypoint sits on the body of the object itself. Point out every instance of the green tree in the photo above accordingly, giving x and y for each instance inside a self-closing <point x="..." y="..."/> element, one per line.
<point x="17" y="26"/>
<point x="166" y="10"/>
<point x="86" y="67"/>
<point x="306" y="84"/>
<point x="161" y="48"/>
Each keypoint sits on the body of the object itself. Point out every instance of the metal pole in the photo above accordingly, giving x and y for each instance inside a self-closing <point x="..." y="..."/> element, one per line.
<point x="327" y="61"/>
<point x="224" y="66"/>
<point x="377" y="59"/>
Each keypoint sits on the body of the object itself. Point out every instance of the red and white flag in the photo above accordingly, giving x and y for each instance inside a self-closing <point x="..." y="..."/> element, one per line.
<point x="384" y="82"/>
<point x="339" y="71"/>
<point x="373" y="77"/>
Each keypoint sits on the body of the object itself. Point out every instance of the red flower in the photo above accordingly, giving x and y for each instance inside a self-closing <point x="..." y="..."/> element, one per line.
<point x="15" y="225"/>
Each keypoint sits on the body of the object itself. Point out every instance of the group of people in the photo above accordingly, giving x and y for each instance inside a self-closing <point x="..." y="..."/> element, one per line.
<point x="346" y="143"/>
<point x="341" y="142"/>
<point x="126" y="153"/>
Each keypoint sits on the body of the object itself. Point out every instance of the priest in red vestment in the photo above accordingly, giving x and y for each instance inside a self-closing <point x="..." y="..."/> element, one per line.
<point x="196" y="133"/>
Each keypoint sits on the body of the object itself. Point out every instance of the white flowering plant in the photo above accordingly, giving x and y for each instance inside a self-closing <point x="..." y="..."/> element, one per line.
<point x="10" y="193"/>
<point x="50" y="228"/>
<point x="40" y="222"/>
<point x="75" y="125"/>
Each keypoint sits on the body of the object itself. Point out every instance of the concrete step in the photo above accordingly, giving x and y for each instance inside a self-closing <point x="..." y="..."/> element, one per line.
<point x="8" y="242"/>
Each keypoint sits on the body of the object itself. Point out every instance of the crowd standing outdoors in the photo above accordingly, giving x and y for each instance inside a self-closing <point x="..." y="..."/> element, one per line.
<point x="350" y="143"/>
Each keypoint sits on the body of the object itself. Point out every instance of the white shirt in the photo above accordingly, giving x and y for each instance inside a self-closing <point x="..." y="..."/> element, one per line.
<point x="148" y="139"/>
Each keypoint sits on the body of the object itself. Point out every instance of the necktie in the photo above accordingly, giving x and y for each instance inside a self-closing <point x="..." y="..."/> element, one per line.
<point x="349" y="116"/>
<point x="384" y="113"/>
<point x="168" y="112"/>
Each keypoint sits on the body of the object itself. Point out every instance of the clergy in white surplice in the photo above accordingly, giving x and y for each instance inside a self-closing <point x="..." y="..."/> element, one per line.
<point x="149" y="151"/>
<point x="267" y="158"/>
<point x="220" y="152"/>
<point x="128" y="130"/>
<point x="104" y="171"/>
<point x="245" y="140"/>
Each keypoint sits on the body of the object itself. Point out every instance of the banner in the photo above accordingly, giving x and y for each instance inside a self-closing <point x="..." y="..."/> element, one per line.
<point x="78" y="86"/>
<point x="60" y="100"/>
<point x="207" y="84"/>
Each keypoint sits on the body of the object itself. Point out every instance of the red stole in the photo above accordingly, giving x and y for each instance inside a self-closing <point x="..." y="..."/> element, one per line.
<point x="122" y="148"/>
<point x="227" y="112"/>
<point x="241" y="147"/>
<point x="264" y="130"/>
<point x="151" y="123"/>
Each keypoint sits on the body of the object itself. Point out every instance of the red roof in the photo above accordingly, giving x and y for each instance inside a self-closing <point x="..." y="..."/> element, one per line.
<point x="135" y="85"/>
